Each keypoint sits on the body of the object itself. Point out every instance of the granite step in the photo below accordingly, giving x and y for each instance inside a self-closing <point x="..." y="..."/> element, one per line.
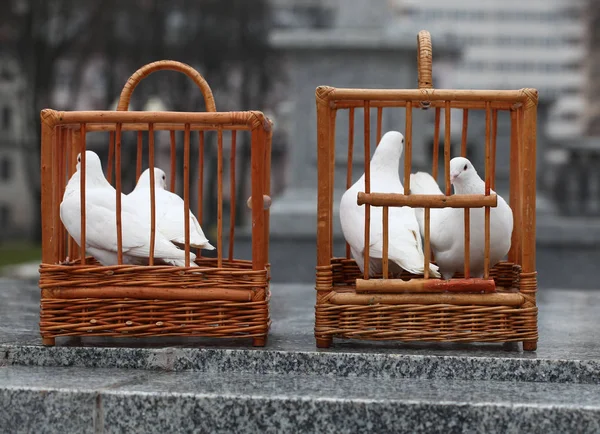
<point x="42" y="399"/>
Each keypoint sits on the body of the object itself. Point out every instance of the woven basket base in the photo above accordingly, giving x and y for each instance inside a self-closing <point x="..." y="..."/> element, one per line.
<point x="441" y="322"/>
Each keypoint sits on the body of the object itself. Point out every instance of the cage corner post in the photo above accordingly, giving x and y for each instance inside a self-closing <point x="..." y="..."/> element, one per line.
<point x="528" y="245"/>
<point x="324" y="276"/>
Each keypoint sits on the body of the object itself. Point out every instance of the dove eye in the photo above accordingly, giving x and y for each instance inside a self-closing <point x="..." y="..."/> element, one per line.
<point x="79" y="159"/>
<point x="465" y="168"/>
<point x="164" y="177"/>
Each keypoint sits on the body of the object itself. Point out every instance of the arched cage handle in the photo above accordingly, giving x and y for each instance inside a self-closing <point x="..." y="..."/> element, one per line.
<point x="424" y="55"/>
<point x="160" y="65"/>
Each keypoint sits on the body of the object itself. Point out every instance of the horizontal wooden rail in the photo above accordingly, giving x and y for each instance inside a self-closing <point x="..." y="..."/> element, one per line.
<point x="138" y="126"/>
<point x="495" y="299"/>
<point x="149" y="293"/>
<point x="427" y="200"/>
<point x="398" y="286"/>
<point x="428" y="95"/>
<point x="498" y="105"/>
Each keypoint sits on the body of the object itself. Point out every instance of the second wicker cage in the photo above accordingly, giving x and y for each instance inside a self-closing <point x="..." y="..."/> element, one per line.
<point x="223" y="296"/>
<point x="353" y="306"/>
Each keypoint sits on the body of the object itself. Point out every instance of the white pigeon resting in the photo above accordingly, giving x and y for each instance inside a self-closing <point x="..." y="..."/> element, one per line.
<point x="447" y="228"/>
<point x="101" y="226"/>
<point x="404" y="247"/>
<point x="169" y="209"/>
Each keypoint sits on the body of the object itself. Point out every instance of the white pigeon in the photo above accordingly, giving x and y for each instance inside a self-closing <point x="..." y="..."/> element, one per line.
<point x="169" y="209"/>
<point x="447" y="228"/>
<point x="404" y="247"/>
<point x="101" y="226"/>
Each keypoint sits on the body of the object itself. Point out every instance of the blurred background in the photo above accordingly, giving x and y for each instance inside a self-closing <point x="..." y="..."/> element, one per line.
<point x="270" y="55"/>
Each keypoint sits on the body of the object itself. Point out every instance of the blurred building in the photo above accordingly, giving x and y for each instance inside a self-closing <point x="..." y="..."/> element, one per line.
<point x="512" y="44"/>
<point x="591" y="100"/>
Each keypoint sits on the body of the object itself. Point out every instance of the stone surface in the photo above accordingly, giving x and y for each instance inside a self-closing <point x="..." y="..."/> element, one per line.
<point x="568" y="349"/>
<point x="115" y="400"/>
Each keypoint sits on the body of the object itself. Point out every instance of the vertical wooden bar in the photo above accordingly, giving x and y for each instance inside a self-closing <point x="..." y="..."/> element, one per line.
<point x="467" y="268"/>
<point x="111" y="156"/>
<point x="186" y="191"/>
<point x="436" y="144"/>
<point x="528" y="182"/>
<point x="220" y="197"/>
<point x="465" y="126"/>
<point x="332" y="166"/>
<point x="350" y="159"/>
<point x="75" y="147"/>
<point x="379" y="119"/>
<point x="55" y="190"/>
<point x="200" y="181"/>
<point x="367" y="139"/>
<point x="232" y="162"/>
<point x="486" y="258"/>
<point x="82" y="192"/>
<point x="325" y="202"/>
<point x="447" y="114"/>
<point x="427" y="243"/>
<point x="61" y="188"/>
<point x="139" y="158"/>
<point x="386" y="238"/>
<point x="118" y="188"/>
<point x="69" y="172"/>
<point x="493" y="150"/>
<point x="515" y="187"/>
<point x="173" y="161"/>
<point x="267" y="187"/>
<point x="152" y="191"/>
<point x="47" y="205"/>
<point x="257" y="152"/>
<point x="408" y="147"/>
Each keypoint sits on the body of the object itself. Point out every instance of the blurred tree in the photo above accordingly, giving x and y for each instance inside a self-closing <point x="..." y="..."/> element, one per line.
<point x="224" y="39"/>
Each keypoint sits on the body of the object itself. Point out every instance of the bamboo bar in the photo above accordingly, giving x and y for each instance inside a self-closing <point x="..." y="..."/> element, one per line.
<point x="55" y="198"/>
<point x="506" y="106"/>
<point x="427" y="243"/>
<point x="186" y="192"/>
<point x="408" y="148"/>
<point x="350" y="159"/>
<point x="447" y="115"/>
<point x="118" y="192"/>
<point x="493" y="150"/>
<point x="200" y="181"/>
<point x="152" y="192"/>
<point x="165" y="126"/>
<point x="332" y="119"/>
<point x="428" y="200"/>
<point x="467" y="267"/>
<point x="220" y="197"/>
<point x="102" y="117"/>
<point x="398" y="286"/>
<point x="514" y="175"/>
<point x="386" y="237"/>
<point x="173" y="161"/>
<point x="436" y="144"/>
<point x="379" y="119"/>
<point x="150" y="293"/>
<point x="367" y="138"/>
<point x="232" y="184"/>
<point x="510" y="96"/>
<point x="486" y="255"/>
<point x="494" y="299"/>
<point x="82" y="202"/>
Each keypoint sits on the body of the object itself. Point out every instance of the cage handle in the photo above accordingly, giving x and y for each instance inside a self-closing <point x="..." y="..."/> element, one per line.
<point x="424" y="55"/>
<point x="160" y="65"/>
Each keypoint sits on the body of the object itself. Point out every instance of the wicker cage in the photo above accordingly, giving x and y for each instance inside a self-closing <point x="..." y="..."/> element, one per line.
<point x="223" y="297"/>
<point x="352" y="305"/>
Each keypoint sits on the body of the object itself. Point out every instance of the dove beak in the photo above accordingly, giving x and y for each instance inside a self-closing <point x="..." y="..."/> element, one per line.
<point x="453" y="176"/>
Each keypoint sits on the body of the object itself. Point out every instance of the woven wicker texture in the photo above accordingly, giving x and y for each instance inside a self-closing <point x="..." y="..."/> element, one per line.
<point x="222" y="297"/>
<point x="500" y="307"/>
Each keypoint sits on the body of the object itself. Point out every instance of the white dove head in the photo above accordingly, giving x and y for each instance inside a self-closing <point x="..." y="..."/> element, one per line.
<point x="93" y="166"/>
<point x="462" y="171"/>
<point x="389" y="151"/>
<point x="160" y="179"/>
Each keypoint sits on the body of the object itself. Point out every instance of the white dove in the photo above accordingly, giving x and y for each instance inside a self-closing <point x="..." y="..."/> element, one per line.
<point x="404" y="248"/>
<point x="447" y="231"/>
<point x="101" y="227"/>
<point x="168" y="210"/>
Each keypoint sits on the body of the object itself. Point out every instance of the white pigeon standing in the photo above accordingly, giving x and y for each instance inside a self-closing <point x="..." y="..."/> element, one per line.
<point x="101" y="226"/>
<point x="447" y="229"/>
<point x="168" y="210"/>
<point x="404" y="247"/>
